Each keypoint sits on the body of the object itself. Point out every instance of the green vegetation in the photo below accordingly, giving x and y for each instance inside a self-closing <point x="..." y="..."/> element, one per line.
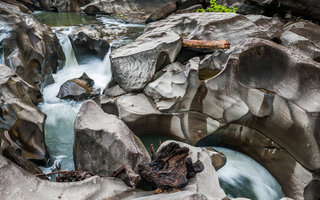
<point x="214" y="7"/>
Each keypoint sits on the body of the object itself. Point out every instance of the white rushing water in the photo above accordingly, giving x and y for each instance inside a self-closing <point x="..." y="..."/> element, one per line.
<point x="59" y="131"/>
<point x="244" y="177"/>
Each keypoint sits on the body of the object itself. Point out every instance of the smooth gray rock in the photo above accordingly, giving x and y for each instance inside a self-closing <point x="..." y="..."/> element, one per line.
<point x="143" y="117"/>
<point x="103" y="143"/>
<point x="24" y="119"/>
<point x="28" y="47"/>
<point x="170" y="87"/>
<point x="219" y="26"/>
<point x="134" y="65"/>
<point x="87" y="41"/>
<point x="303" y="38"/>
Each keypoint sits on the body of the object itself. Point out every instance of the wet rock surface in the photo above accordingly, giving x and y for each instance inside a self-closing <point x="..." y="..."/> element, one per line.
<point x="78" y="89"/>
<point x="27" y="46"/>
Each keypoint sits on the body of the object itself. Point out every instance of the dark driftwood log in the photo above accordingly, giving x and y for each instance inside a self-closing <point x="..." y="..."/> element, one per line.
<point x="199" y="44"/>
<point x="127" y="175"/>
<point x="170" y="167"/>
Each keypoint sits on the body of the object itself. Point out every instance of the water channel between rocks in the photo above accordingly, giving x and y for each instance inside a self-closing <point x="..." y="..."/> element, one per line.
<point x="240" y="177"/>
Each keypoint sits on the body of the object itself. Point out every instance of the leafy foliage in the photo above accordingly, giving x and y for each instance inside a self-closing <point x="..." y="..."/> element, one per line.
<point x="214" y="7"/>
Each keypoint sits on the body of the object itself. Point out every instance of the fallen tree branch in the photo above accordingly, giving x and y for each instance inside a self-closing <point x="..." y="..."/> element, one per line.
<point x="200" y="44"/>
<point x="53" y="173"/>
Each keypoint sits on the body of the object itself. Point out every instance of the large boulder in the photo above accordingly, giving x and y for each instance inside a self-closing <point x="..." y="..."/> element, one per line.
<point x="103" y="143"/>
<point x="87" y="41"/>
<point x="303" y="38"/>
<point x="27" y="46"/>
<point x="134" y="65"/>
<point x="78" y="89"/>
<point x="22" y="119"/>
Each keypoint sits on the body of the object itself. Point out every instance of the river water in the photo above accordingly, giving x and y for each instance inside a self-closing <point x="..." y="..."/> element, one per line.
<point x="59" y="130"/>
<point x="240" y="177"/>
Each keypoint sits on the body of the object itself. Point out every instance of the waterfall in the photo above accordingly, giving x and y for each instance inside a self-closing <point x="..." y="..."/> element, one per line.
<point x="244" y="177"/>
<point x="61" y="114"/>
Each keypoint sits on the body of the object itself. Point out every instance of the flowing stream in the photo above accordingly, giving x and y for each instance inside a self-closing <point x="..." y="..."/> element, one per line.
<point x="240" y="177"/>
<point x="244" y="177"/>
<point x="61" y="114"/>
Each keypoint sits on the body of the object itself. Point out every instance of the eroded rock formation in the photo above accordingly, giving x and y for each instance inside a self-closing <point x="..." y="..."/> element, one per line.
<point x="27" y="46"/>
<point x="22" y="119"/>
<point x="258" y="86"/>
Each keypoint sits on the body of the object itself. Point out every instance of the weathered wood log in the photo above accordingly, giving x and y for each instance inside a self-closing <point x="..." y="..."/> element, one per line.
<point x="200" y="44"/>
<point x="170" y="168"/>
<point x="127" y="175"/>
